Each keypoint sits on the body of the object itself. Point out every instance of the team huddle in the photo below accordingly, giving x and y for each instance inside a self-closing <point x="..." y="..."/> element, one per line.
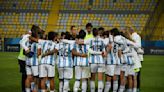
<point x="115" y="54"/>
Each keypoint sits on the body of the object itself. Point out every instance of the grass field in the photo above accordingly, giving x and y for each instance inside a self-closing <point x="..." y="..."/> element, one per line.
<point x="152" y="73"/>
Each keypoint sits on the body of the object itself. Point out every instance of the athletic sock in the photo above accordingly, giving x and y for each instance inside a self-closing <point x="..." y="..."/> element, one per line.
<point x="43" y="90"/>
<point x="121" y="89"/>
<point x="76" y="86"/>
<point x="28" y="90"/>
<point x="61" y="86"/>
<point x="100" y="86"/>
<point x="66" y="85"/>
<point x="107" y="86"/>
<point x="130" y="90"/>
<point x="134" y="89"/>
<point x="92" y="86"/>
<point x="115" y="86"/>
<point x="84" y="86"/>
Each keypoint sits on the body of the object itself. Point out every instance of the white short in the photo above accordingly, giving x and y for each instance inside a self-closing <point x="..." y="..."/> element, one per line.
<point x="32" y="70"/>
<point x="97" y="68"/>
<point x="124" y="69"/>
<point x="65" y="73"/>
<point x="130" y="70"/>
<point x="112" y="70"/>
<point x="46" y="70"/>
<point x="82" y="72"/>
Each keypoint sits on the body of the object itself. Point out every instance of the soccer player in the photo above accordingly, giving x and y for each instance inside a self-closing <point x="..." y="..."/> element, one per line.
<point x="113" y="61"/>
<point x="65" y="63"/>
<point x="96" y="60"/>
<point x="81" y="63"/>
<point x="46" y="67"/>
<point x="26" y="45"/>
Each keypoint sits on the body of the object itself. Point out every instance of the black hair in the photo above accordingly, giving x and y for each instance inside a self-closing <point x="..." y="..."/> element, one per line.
<point x="115" y="32"/>
<point x="106" y="33"/>
<point x="72" y="27"/>
<point x="52" y="35"/>
<point x="82" y="34"/>
<point x="62" y="33"/>
<point x="35" y="28"/>
<point x="88" y="25"/>
<point x="67" y="35"/>
<point x="101" y="29"/>
<point x="95" y="32"/>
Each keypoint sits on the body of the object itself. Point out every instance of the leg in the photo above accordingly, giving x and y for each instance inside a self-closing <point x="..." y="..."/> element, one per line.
<point x="92" y="82"/>
<point x="100" y="82"/>
<point x="51" y="84"/>
<point x="28" y="83"/>
<point x="135" y="83"/>
<point x="130" y="83"/>
<point x="108" y="83"/>
<point x="43" y="87"/>
<point x="61" y="84"/>
<point x="84" y="85"/>
<point x="76" y="86"/>
<point x="122" y="81"/>
<point x="115" y="83"/>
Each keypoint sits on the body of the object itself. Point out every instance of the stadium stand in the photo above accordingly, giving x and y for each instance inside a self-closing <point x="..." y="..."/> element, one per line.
<point x="106" y="20"/>
<point x="17" y="16"/>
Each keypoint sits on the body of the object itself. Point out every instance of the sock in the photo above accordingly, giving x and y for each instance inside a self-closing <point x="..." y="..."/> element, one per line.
<point x="66" y="85"/>
<point x="107" y="86"/>
<point x="84" y="85"/>
<point x="51" y="91"/>
<point x="92" y="86"/>
<point x="134" y="89"/>
<point x="100" y="86"/>
<point x="43" y="90"/>
<point x="61" y="86"/>
<point x="121" y="89"/>
<point x="28" y="90"/>
<point x="115" y="86"/>
<point x="76" y="86"/>
<point x="32" y="85"/>
<point x="130" y="90"/>
<point x="48" y="84"/>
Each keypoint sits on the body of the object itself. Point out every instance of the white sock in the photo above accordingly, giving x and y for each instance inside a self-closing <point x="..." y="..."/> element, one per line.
<point x="32" y="85"/>
<point x="100" y="86"/>
<point x="51" y="90"/>
<point x="84" y="86"/>
<point x="76" y="86"/>
<point x="61" y="86"/>
<point x="121" y="89"/>
<point x="43" y="90"/>
<point x="134" y="89"/>
<point x="115" y="86"/>
<point x="66" y="85"/>
<point x="28" y="90"/>
<point x="130" y="90"/>
<point x="92" y="86"/>
<point x="107" y="86"/>
<point x="48" y="84"/>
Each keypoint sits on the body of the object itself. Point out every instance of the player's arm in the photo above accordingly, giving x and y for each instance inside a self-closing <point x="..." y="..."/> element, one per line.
<point x="23" y="44"/>
<point x="75" y="53"/>
<point x="50" y="52"/>
<point x="68" y="41"/>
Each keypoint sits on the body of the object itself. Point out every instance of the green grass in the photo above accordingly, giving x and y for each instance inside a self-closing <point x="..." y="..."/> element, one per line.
<point x="152" y="73"/>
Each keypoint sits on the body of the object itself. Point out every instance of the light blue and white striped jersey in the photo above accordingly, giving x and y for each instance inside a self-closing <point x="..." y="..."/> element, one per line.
<point x="34" y="59"/>
<point x="64" y="54"/>
<point x="81" y="61"/>
<point x="123" y="48"/>
<point x="130" y="56"/>
<point x="47" y="45"/>
<point x="97" y="44"/>
<point x="28" y="60"/>
<point x="112" y="57"/>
